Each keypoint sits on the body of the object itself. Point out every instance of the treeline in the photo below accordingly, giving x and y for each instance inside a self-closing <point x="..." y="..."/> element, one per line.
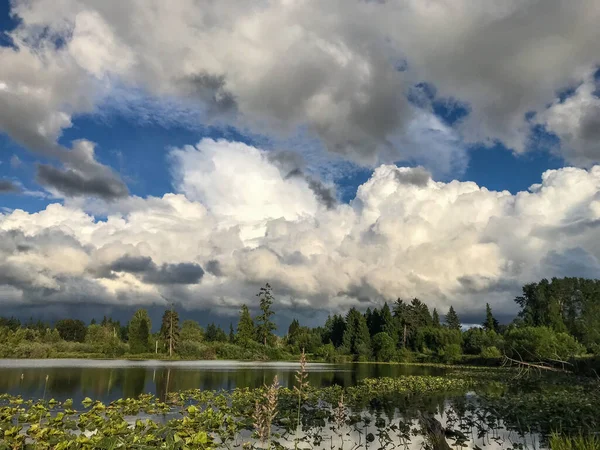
<point x="558" y="319"/>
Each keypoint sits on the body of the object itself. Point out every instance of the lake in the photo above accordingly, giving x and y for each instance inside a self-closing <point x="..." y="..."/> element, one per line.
<point x="492" y="408"/>
<point x="107" y="380"/>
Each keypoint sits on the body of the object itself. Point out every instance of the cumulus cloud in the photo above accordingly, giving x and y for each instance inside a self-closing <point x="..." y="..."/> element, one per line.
<point x="404" y="235"/>
<point x="576" y="121"/>
<point x="342" y="70"/>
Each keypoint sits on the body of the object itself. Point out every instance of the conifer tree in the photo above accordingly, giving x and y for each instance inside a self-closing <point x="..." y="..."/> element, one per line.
<point x="169" y="330"/>
<point x="245" y="328"/>
<point x="490" y="324"/>
<point x="264" y="325"/>
<point x="435" y="318"/>
<point x="231" y="333"/>
<point x="452" y="320"/>
<point x="139" y="332"/>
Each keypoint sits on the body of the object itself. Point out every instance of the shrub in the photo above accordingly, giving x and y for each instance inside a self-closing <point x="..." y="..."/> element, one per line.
<point x="535" y="343"/>
<point x="491" y="352"/>
<point x="451" y="353"/>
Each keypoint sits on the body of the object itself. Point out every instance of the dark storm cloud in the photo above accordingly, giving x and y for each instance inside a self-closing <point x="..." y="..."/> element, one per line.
<point x="74" y="183"/>
<point x="7" y="186"/>
<point x="181" y="273"/>
<point x="133" y="264"/>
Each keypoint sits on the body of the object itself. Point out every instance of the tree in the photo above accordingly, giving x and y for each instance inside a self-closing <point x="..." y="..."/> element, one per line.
<point x="215" y="333"/>
<point x="435" y="318"/>
<point x="169" y="329"/>
<point x="139" y="332"/>
<point x="265" y="326"/>
<point x="71" y="330"/>
<point x="357" y="340"/>
<point x="490" y="324"/>
<point x="191" y="331"/>
<point x="388" y="325"/>
<point x="335" y="328"/>
<point x="231" y="333"/>
<point x="384" y="347"/>
<point x="452" y="320"/>
<point x="293" y="331"/>
<point x="245" y="328"/>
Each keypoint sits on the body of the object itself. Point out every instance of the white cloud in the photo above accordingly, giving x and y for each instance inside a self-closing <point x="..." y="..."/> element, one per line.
<point x="328" y="66"/>
<point x="404" y="235"/>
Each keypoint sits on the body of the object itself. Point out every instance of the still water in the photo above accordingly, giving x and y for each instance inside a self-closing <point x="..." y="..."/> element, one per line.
<point x="108" y="380"/>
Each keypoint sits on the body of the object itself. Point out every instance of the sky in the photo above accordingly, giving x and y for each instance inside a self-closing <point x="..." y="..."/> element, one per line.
<point x="348" y="153"/>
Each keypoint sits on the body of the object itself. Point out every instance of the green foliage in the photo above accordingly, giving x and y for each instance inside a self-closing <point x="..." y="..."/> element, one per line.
<point x="139" y="332"/>
<point x="264" y="324"/>
<point x="215" y="333"/>
<point x="451" y="353"/>
<point x="491" y="352"/>
<point x="71" y="330"/>
<point x="452" y="320"/>
<point x="558" y="442"/>
<point x="477" y="339"/>
<point x="357" y="340"/>
<point x="538" y="343"/>
<point x="245" y="329"/>
<point x="490" y="324"/>
<point x="104" y="340"/>
<point x="569" y="305"/>
<point x="435" y="318"/>
<point x="191" y="331"/>
<point x="169" y="331"/>
<point x="384" y="347"/>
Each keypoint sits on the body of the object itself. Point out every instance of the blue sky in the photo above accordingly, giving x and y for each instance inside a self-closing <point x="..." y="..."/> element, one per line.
<point x="197" y="162"/>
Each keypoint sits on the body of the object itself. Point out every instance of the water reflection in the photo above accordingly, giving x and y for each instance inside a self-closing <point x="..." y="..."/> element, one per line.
<point x="110" y="380"/>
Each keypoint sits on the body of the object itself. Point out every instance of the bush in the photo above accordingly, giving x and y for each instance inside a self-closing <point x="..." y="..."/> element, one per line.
<point x="404" y="355"/>
<point x="535" y="343"/>
<point x="451" y="353"/>
<point x="491" y="352"/>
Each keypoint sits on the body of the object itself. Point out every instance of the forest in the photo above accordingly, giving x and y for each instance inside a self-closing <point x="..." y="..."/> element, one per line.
<point x="559" y="320"/>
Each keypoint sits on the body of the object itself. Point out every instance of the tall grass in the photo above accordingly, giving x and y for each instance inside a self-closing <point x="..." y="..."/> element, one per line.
<point x="590" y="442"/>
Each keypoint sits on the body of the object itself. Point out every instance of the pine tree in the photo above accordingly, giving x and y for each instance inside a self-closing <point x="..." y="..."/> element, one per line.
<point x="435" y="318"/>
<point x="245" y="328"/>
<point x="169" y="330"/>
<point x="452" y="320"/>
<point x="388" y="323"/>
<point x="265" y="326"/>
<point x="139" y="331"/>
<point x="357" y="340"/>
<point x="490" y="324"/>
<point x="231" y="333"/>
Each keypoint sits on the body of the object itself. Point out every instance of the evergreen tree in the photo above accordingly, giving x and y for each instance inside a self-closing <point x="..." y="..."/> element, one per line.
<point x="435" y="318"/>
<point x="490" y="324"/>
<point x="374" y="322"/>
<point x="293" y="332"/>
<point x="71" y="330"/>
<point x="93" y="322"/>
<point x="265" y="326"/>
<point x="334" y="330"/>
<point x="452" y="320"/>
<point x="139" y="332"/>
<point x="245" y="328"/>
<point x="215" y="333"/>
<point x="231" y="333"/>
<point x="388" y="323"/>
<point x="357" y="340"/>
<point x="169" y="329"/>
